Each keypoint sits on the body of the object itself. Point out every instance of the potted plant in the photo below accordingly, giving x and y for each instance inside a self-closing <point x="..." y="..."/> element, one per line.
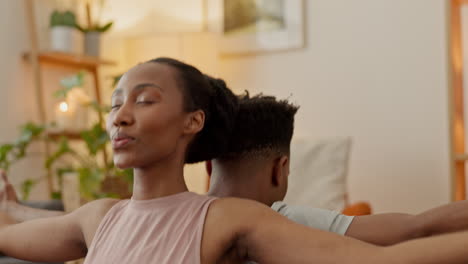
<point x="64" y="35"/>
<point x="93" y="30"/>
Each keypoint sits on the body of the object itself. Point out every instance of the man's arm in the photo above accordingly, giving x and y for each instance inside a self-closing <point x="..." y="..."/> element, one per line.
<point x="388" y="229"/>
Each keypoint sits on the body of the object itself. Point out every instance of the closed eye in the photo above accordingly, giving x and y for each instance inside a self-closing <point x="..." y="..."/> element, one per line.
<point x="145" y="102"/>
<point x="115" y="106"/>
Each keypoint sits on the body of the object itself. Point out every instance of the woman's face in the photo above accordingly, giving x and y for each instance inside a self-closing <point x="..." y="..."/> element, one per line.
<point x="146" y="123"/>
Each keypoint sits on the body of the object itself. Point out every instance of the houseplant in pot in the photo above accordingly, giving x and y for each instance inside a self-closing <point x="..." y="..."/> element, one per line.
<point x="64" y="33"/>
<point x="94" y="29"/>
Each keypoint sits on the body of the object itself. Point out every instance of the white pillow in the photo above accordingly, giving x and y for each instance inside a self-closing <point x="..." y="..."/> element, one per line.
<point x="196" y="177"/>
<point x="318" y="173"/>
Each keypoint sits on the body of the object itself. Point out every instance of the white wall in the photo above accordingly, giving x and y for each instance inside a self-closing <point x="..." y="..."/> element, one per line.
<point x="17" y="92"/>
<point x="17" y="98"/>
<point x="374" y="70"/>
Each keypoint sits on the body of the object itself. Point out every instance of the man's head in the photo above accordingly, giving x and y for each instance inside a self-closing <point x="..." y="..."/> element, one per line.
<point x="257" y="162"/>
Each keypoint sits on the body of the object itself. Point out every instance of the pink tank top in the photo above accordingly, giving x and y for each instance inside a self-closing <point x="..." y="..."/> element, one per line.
<point x="162" y="230"/>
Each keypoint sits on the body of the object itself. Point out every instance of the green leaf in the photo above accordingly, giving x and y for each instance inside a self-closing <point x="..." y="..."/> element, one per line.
<point x="90" y="181"/>
<point x="76" y="80"/>
<point x="63" y="148"/>
<point x="56" y="195"/>
<point x="100" y="108"/>
<point x="67" y="19"/>
<point x="5" y="150"/>
<point x="116" y="80"/>
<point x="96" y="139"/>
<point x="55" y="19"/>
<point x="104" y="28"/>
<point x="5" y="153"/>
<point x="33" y="129"/>
<point x="68" y="83"/>
<point x="26" y="187"/>
<point x="80" y="28"/>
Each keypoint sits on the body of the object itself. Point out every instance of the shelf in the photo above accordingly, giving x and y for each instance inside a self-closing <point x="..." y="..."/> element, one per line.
<point x="70" y="60"/>
<point x="461" y="157"/>
<point x="68" y="135"/>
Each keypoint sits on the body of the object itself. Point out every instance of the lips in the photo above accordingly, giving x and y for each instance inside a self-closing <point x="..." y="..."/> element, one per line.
<point x="121" y="141"/>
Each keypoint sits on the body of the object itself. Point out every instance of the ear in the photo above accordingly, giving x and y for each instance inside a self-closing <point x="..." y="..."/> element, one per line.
<point x="209" y="167"/>
<point x="194" y="122"/>
<point x="280" y="170"/>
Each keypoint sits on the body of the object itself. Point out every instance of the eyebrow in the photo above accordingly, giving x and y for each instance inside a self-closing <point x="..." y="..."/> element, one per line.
<point x="138" y="87"/>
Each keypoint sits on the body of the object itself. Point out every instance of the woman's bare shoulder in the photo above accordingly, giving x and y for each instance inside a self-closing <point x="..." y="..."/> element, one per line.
<point x="91" y="214"/>
<point x="97" y="208"/>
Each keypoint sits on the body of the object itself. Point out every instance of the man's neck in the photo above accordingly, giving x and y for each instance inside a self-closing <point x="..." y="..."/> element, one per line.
<point x="240" y="186"/>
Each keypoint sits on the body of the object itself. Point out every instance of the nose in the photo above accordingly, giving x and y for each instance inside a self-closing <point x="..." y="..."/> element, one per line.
<point x="123" y="116"/>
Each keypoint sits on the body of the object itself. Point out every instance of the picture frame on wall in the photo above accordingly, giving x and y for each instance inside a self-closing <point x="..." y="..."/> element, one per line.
<point x="256" y="26"/>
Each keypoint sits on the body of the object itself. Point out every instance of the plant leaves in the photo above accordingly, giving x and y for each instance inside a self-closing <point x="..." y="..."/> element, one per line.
<point x="90" y="182"/>
<point x="67" y="19"/>
<point x="104" y="28"/>
<point x="56" y="195"/>
<point x="68" y="83"/>
<point x="64" y="148"/>
<point x="116" y="80"/>
<point x="100" y="108"/>
<point x="96" y="139"/>
<point x="26" y="187"/>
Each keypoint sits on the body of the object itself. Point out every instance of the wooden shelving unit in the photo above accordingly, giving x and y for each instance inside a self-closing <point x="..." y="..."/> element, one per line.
<point x="458" y="155"/>
<point x="69" y="135"/>
<point x="38" y="59"/>
<point x="69" y="60"/>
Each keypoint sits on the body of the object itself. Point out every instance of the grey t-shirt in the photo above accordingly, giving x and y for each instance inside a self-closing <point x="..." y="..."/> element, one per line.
<point x="322" y="219"/>
<point x="326" y="220"/>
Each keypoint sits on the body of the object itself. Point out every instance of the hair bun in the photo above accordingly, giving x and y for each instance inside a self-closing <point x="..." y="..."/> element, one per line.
<point x="213" y="140"/>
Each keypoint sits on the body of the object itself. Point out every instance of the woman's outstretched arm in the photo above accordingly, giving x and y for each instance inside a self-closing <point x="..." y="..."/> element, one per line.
<point x="52" y="239"/>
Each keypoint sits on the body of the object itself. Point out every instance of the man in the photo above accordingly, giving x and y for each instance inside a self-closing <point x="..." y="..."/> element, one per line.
<point x="257" y="167"/>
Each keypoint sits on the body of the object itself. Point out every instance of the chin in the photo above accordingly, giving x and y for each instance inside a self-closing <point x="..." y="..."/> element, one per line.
<point x="122" y="163"/>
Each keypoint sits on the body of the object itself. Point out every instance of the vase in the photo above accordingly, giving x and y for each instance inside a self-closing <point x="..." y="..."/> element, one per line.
<point x="66" y="39"/>
<point x="92" y="43"/>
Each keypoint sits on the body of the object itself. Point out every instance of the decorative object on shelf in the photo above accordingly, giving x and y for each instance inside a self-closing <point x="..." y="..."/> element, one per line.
<point x="63" y="117"/>
<point x="71" y="113"/>
<point x="64" y="33"/>
<point x="94" y="29"/>
<point x="252" y="26"/>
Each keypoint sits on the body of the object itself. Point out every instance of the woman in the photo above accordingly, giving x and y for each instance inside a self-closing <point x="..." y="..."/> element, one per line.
<point x="166" y="113"/>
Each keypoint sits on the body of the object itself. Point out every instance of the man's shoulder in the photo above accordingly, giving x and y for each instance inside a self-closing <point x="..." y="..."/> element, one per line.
<point x="323" y="219"/>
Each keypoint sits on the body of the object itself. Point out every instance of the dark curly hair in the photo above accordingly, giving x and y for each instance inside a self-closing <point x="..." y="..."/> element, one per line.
<point x="264" y="127"/>
<point x="215" y="99"/>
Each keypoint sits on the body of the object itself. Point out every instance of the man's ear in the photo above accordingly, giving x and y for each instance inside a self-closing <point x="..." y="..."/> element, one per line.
<point x="209" y="167"/>
<point x="194" y="122"/>
<point x="280" y="170"/>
